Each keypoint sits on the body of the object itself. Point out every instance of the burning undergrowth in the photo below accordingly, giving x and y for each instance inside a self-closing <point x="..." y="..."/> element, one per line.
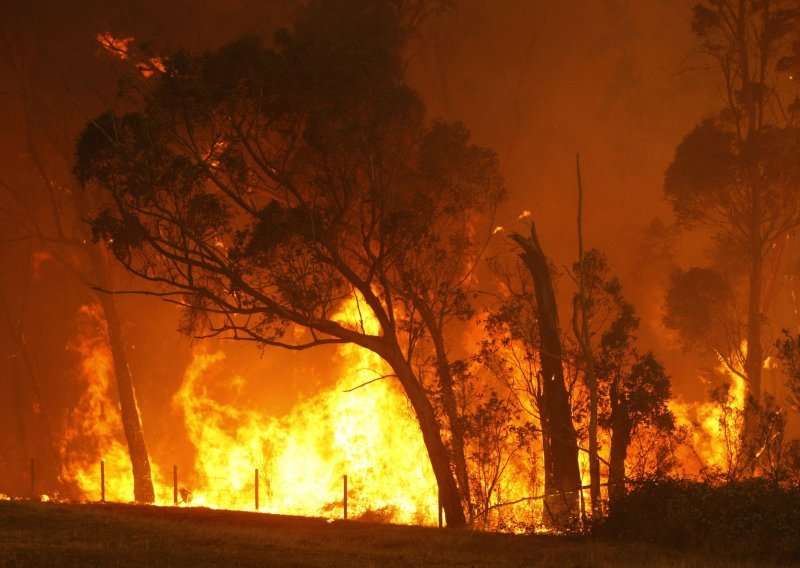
<point x="368" y="434"/>
<point x="359" y="427"/>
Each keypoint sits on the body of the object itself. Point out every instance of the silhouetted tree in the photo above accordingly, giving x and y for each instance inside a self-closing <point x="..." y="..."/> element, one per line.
<point x="262" y="187"/>
<point x="532" y="320"/>
<point x="737" y="171"/>
<point x="634" y="386"/>
<point x="701" y="307"/>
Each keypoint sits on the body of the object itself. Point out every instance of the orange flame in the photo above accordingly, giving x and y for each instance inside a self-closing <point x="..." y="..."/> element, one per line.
<point x="715" y="426"/>
<point x="94" y="425"/>
<point x="368" y="434"/>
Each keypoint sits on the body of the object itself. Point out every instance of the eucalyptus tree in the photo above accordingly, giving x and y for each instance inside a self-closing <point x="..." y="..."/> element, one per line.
<point x="261" y="187"/>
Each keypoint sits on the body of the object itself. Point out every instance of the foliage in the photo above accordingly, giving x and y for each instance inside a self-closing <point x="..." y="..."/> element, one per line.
<point x="633" y="387"/>
<point x="789" y="354"/>
<point x="736" y="174"/>
<point x="495" y="437"/>
<point x="700" y="305"/>
<point x="262" y="187"/>
<point x="753" y="519"/>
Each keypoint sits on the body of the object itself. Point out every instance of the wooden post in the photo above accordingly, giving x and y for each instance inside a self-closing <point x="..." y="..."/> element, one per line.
<point x="175" y="484"/>
<point x="344" y="498"/>
<point x="33" y="478"/>
<point x="102" y="481"/>
<point x="441" y="518"/>
<point x="256" y="481"/>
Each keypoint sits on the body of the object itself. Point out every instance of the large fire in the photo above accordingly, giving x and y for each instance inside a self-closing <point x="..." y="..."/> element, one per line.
<point x="362" y="427"/>
<point x="715" y="426"/>
<point x="94" y="426"/>
<point x="367" y="433"/>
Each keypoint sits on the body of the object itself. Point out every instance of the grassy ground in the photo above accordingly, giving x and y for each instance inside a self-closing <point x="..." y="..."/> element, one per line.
<point x="55" y="534"/>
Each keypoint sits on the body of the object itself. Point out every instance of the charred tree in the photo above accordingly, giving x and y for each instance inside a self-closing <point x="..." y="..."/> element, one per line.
<point x="435" y="311"/>
<point x="633" y="388"/>
<point x="454" y="419"/>
<point x="561" y="472"/>
<point x="440" y="458"/>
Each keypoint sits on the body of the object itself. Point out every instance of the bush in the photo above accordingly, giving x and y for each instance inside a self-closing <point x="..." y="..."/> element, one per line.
<point x="744" y="519"/>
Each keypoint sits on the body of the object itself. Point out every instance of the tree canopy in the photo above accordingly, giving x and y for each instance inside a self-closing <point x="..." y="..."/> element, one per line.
<point x="262" y="186"/>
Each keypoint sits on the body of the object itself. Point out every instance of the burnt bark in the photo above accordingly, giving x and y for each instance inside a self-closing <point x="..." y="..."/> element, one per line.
<point x="562" y="481"/>
<point x="431" y="435"/>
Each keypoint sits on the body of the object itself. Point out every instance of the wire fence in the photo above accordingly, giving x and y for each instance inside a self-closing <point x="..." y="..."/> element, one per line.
<point x="254" y="493"/>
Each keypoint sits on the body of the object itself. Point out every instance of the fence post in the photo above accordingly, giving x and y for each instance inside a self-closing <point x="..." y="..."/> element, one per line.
<point x="33" y="478"/>
<point x="175" y="484"/>
<point x="256" y="482"/>
<point x="440" y="511"/>
<point x="344" y="498"/>
<point x="102" y="481"/>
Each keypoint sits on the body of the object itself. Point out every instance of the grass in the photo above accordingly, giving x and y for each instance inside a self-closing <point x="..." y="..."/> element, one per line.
<point x="60" y="534"/>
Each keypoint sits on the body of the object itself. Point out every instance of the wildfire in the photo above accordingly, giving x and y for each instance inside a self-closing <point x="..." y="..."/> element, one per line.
<point x="715" y="426"/>
<point x="123" y="47"/>
<point x="368" y="434"/>
<point x="94" y="426"/>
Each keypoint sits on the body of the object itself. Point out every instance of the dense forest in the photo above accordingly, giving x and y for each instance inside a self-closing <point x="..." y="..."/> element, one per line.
<point x="252" y="254"/>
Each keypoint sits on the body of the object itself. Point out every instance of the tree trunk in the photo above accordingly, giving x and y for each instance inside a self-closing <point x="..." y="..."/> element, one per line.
<point x="131" y="423"/>
<point x="588" y="360"/>
<point x="431" y="435"/>
<point x="562" y="479"/>
<point x="456" y="428"/>
<point x="454" y="420"/>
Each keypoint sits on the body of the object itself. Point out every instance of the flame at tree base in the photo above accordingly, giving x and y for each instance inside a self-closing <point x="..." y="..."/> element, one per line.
<point x="368" y="434"/>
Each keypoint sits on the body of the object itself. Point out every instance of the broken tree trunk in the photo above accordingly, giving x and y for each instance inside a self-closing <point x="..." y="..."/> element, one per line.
<point x="562" y="479"/>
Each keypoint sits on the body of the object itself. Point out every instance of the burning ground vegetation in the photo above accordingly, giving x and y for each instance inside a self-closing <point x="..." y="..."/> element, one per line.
<point x="362" y="427"/>
<point x="297" y="192"/>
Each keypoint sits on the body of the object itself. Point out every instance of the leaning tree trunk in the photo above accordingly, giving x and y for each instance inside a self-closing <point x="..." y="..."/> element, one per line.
<point x="131" y="423"/>
<point x="456" y="428"/>
<point x="431" y="436"/>
<point x="562" y="480"/>
<point x="454" y="419"/>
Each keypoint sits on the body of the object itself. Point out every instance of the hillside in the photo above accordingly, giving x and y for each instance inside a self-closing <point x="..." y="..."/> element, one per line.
<point x="58" y="534"/>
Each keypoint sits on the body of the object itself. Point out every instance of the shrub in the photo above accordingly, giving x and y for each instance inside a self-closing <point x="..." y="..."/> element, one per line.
<point x="744" y="519"/>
